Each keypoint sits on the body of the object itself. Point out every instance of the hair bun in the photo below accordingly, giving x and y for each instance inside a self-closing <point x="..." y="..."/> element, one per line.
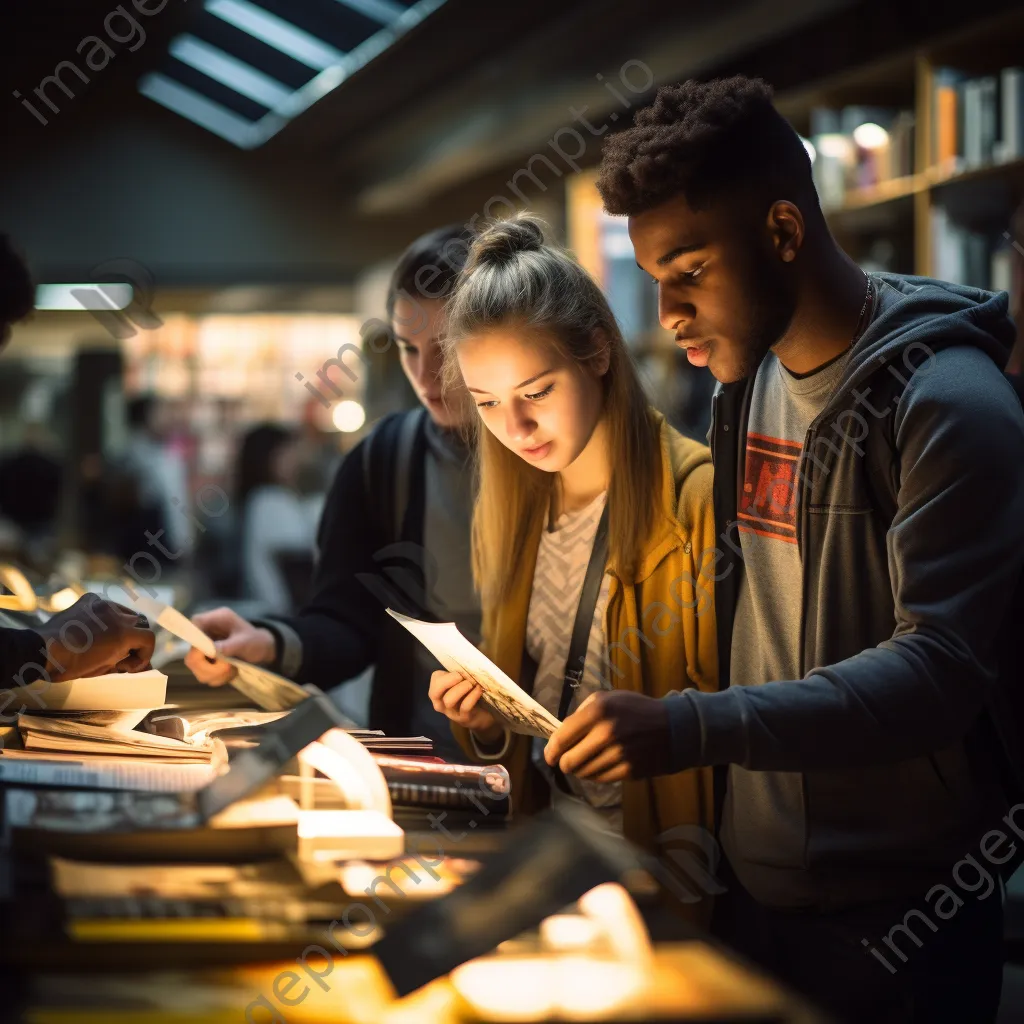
<point x="504" y="240"/>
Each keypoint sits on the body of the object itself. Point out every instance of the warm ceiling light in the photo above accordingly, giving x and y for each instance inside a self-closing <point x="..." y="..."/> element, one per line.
<point x="870" y="135"/>
<point x="348" y="416"/>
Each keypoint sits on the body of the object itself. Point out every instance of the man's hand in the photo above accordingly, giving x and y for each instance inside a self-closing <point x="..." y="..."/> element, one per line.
<point x="613" y="735"/>
<point x="95" y="636"/>
<point x="457" y="697"/>
<point x="233" y="637"/>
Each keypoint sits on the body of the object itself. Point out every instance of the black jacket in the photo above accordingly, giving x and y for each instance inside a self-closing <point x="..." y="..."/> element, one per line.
<point x="910" y="526"/>
<point x="22" y="661"/>
<point x="364" y="564"/>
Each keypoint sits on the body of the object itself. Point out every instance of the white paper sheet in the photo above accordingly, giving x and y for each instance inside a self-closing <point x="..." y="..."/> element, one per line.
<point x="116" y="691"/>
<point x="509" y="702"/>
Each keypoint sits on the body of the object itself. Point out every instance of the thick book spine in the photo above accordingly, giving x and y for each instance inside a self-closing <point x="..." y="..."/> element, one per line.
<point x="418" y="794"/>
<point x="1012" y="134"/>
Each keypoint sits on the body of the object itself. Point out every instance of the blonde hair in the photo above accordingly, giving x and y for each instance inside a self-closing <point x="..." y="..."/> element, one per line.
<point x="513" y="277"/>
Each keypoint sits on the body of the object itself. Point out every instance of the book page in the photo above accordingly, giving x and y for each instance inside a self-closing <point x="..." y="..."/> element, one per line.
<point x="120" y="721"/>
<point x="115" y="691"/>
<point x="509" y="702"/>
<point x="264" y="688"/>
<point x="198" y="727"/>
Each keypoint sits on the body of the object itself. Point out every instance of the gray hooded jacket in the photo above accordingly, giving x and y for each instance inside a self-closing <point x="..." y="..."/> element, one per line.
<point x="910" y="525"/>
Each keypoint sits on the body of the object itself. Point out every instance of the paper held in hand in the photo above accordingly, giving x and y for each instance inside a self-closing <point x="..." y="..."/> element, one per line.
<point x="509" y="702"/>
<point x="264" y="688"/>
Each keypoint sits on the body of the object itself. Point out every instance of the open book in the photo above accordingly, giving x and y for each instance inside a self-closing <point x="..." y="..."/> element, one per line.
<point x="509" y="702"/>
<point x="62" y="735"/>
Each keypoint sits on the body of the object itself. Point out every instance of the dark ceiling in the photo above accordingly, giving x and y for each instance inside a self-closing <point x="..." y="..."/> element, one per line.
<point x="430" y="128"/>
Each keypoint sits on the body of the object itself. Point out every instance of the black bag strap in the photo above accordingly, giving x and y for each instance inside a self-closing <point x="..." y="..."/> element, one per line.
<point x="408" y="434"/>
<point x="389" y="454"/>
<point x="580" y="639"/>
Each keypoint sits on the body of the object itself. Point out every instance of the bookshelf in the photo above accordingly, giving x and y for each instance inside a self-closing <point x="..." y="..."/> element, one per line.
<point x="903" y="220"/>
<point x="942" y="217"/>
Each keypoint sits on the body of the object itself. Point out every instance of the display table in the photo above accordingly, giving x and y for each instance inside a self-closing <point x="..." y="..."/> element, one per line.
<point x="688" y="981"/>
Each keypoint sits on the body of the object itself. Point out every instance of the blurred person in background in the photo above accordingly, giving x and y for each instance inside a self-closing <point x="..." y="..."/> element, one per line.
<point x="31" y="479"/>
<point x="395" y="532"/>
<point x="161" y="476"/>
<point x="120" y="639"/>
<point x="276" y="522"/>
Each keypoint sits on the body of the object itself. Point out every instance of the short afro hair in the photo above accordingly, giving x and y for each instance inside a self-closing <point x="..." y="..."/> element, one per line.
<point x="17" y="292"/>
<point x="705" y="141"/>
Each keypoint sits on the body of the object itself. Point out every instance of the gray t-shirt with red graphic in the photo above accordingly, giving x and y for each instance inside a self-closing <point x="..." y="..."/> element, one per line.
<point x="763" y="824"/>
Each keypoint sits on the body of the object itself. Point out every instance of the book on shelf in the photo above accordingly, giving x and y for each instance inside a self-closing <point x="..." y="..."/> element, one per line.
<point x="969" y="257"/>
<point x="976" y="121"/>
<point x="946" y="103"/>
<point x="1011" y="98"/>
<point x="860" y="147"/>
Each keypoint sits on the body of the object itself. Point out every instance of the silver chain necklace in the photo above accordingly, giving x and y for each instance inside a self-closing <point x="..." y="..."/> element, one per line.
<point x="861" y="324"/>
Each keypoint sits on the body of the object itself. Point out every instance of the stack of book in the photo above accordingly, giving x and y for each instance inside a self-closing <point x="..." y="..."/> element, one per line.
<point x="72" y="736"/>
<point x="977" y="121"/>
<point x="85" y="732"/>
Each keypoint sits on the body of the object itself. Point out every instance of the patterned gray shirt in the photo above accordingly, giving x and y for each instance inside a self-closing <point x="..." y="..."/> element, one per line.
<point x="562" y="560"/>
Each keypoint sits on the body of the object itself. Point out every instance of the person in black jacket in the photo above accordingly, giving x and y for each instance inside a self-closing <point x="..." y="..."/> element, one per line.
<point x="869" y="505"/>
<point x="394" y="533"/>
<point x="93" y="636"/>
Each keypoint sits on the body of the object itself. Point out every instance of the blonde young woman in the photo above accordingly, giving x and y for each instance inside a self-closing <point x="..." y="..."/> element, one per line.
<point x="566" y="438"/>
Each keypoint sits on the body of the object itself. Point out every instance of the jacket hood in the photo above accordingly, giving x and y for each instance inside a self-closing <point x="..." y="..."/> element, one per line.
<point x="931" y="315"/>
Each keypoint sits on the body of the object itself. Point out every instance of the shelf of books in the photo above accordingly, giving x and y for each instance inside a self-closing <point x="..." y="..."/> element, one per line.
<point x="919" y="159"/>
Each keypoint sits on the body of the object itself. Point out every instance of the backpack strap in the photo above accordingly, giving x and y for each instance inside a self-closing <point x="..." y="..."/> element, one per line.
<point x="389" y="460"/>
<point x="410" y="436"/>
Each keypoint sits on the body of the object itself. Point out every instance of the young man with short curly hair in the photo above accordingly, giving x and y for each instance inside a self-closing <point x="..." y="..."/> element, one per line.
<point x="869" y="500"/>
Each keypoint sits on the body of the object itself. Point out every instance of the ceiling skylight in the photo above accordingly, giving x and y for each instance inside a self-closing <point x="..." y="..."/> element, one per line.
<point x="245" y="69"/>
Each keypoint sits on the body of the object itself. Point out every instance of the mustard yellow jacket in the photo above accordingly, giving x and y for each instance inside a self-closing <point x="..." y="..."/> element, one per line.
<point x="660" y="630"/>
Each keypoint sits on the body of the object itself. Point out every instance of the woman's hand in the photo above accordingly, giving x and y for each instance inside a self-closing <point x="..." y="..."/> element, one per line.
<point x="458" y="698"/>
<point x="233" y="637"/>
